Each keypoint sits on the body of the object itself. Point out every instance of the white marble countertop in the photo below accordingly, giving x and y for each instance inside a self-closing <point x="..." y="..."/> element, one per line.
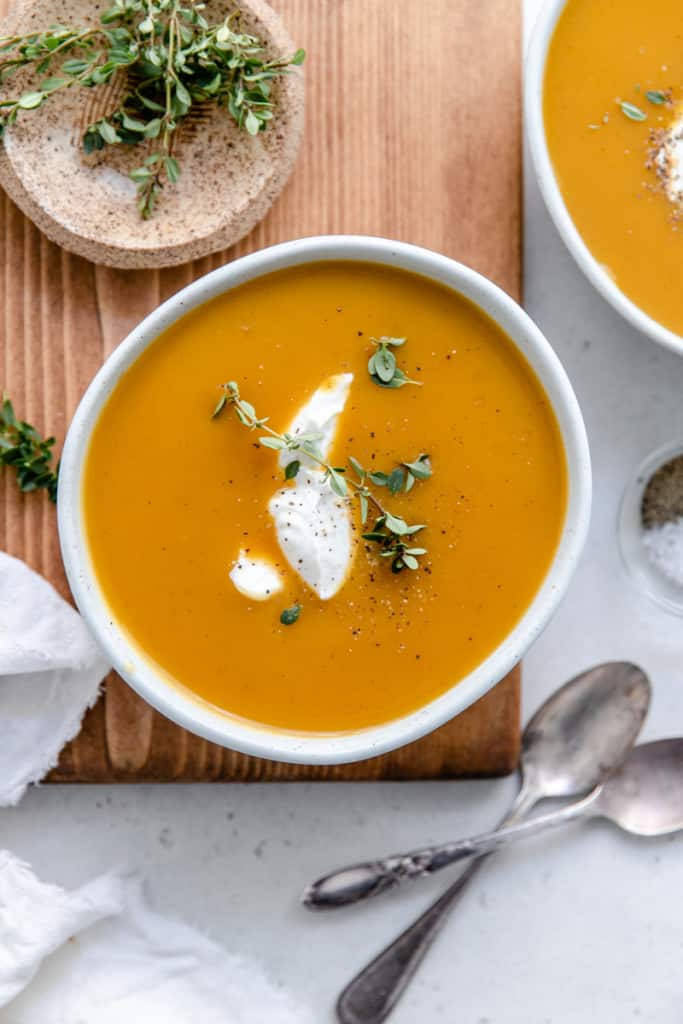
<point x="579" y="926"/>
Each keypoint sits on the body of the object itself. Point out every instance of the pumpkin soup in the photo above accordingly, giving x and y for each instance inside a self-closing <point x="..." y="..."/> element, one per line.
<point x="613" y="108"/>
<point x="368" y="512"/>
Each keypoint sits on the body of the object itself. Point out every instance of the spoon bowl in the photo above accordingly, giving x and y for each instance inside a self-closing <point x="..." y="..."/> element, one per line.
<point x="583" y="732"/>
<point x="578" y="738"/>
<point x="645" y="797"/>
<point x="600" y="713"/>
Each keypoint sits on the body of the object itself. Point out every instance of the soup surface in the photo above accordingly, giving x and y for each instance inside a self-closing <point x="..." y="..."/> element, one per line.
<point x="605" y="53"/>
<point x="171" y="495"/>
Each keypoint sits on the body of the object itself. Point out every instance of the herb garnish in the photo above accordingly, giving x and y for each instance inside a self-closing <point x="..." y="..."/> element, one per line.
<point x="657" y="97"/>
<point x="390" y="531"/>
<point x="393" y="547"/>
<point x="404" y="476"/>
<point x="169" y="58"/>
<point x="22" y="447"/>
<point x="290" y="615"/>
<point x="382" y="365"/>
<point x="632" y="112"/>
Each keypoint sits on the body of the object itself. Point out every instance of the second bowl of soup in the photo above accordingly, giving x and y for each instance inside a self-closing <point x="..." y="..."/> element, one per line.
<point x="604" y="113"/>
<point x="324" y="498"/>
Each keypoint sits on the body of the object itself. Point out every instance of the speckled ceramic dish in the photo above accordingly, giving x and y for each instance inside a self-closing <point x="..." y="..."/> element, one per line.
<point x="229" y="179"/>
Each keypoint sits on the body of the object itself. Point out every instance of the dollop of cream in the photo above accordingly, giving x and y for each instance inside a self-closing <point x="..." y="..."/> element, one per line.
<point x="255" y="577"/>
<point x="313" y="528"/>
<point x="313" y="525"/>
<point x="320" y="416"/>
<point x="668" y="160"/>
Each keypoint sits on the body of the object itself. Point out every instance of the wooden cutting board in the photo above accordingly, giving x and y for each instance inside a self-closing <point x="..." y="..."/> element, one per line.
<point x="413" y="132"/>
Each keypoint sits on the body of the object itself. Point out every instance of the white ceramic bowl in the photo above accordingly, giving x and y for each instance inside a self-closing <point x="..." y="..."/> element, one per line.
<point x="533" y="113"/>
<point x="304" y="748"/>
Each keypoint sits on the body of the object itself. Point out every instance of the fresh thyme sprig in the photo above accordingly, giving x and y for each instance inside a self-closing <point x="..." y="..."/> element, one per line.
<point x="391" y="532"/>
<point x="382" y="365"/>
<point x="173" y="59"/>
<point x="403" y="477"/>
<point x="22" y="448"/>
<point x="394" y="547"/>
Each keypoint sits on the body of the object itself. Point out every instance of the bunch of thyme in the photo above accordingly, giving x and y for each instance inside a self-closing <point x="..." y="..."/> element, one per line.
<point x="173" y="59"/>
<point x="23" y="448"/>
<point x="390" y="532"/>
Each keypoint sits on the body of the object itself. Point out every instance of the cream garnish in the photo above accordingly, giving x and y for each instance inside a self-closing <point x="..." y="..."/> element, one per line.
<point x="255" y="577"/>
<point x="668" y="160"/>
<point x="313" y="525"/>
<point x="313" y="528"/>
<point x="320" y="416"/>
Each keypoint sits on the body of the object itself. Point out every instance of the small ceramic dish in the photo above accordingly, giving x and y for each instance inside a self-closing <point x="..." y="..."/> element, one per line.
<point x="228" y="182"/>
<point x="533" y="112"/>
<point x="331" y="748"/>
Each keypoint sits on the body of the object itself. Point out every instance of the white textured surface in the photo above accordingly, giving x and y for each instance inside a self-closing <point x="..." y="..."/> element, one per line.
<point x="582" y="926"/>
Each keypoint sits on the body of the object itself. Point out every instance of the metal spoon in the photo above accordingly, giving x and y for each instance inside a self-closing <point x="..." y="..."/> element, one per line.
<point x="579" y="737"/>
<point x="644" y="797"/>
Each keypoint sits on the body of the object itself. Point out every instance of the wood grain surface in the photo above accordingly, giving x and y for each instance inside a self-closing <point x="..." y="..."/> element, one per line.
<point x="413" y="132"/>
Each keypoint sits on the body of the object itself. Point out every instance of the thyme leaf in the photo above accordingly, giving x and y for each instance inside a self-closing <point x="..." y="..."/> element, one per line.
<point x="403" y="478"/>
<point x="632" y="112"/>
<point x="290" y="615"/>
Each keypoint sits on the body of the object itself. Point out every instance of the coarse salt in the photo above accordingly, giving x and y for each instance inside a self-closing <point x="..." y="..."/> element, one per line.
<point x="664" y="545"/>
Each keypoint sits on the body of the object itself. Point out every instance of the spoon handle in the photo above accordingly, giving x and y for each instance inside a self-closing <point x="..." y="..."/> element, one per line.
<point x="371" y="996"/>
<point x="370" y="878"/>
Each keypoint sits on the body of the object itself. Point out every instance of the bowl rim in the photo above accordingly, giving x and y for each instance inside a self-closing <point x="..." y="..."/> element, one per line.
<point x="324" y="748"/>
<point x="534" y="76"/>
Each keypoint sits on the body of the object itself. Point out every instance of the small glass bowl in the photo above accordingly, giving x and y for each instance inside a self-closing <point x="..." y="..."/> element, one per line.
<point x="642" y="570"/>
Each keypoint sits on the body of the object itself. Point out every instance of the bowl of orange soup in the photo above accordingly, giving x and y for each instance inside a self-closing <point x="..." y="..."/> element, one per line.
<point x="324" y="498"/>
<point x="604" y="114"/>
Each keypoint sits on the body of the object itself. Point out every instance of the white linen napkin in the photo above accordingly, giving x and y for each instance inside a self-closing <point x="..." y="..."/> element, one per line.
<point x="122" y="961"/>
<point x="98" y="954"/>
<point x="50" y="674"/>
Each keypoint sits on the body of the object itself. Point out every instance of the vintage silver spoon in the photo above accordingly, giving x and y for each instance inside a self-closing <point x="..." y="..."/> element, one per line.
<point x="561" y="756"/>
<point x="578" y="738"/>
<point x="644" y="797"/>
